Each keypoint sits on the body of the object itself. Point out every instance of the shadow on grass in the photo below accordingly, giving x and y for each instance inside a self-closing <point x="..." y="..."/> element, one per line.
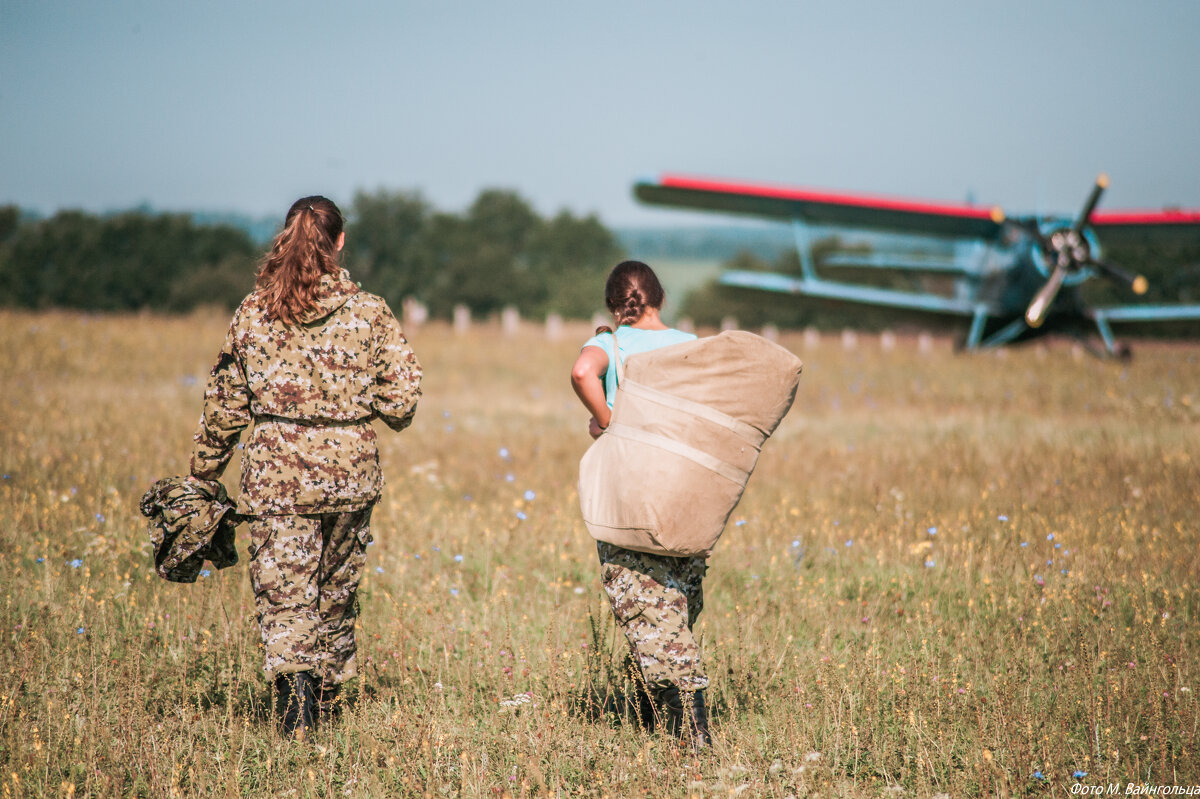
<point x="210" y="684"/>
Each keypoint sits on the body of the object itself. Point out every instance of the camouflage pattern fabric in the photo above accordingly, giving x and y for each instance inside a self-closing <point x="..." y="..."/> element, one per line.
<point x="311" y="391"/>
<point x="305" y="572"/>
<point x="190" y="521"/>
<point x="656" y="600"/>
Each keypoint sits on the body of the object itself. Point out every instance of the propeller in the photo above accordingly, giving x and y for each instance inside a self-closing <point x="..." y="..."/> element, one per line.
<point x="1035" y="314"/>
<point x="1069" y="251"/>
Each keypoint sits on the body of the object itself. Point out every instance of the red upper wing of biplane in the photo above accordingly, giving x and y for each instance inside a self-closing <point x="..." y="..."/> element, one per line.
<point x="1146" y="227"/>
<point x="845" y="209"/>
<point x="823" y="207"/>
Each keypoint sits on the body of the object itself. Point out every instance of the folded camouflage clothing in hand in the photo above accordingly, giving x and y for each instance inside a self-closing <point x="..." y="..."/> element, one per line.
<point x="191" y="521"/>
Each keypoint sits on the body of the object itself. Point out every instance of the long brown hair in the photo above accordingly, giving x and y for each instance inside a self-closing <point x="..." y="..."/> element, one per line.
<point x="632" y="287"/>
<point x="301" y="253"/>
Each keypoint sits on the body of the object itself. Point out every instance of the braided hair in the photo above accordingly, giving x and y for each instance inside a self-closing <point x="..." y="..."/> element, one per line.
<point x="632" y="287"/>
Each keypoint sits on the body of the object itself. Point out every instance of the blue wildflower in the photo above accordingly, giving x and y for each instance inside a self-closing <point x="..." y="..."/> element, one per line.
<point x="458" y="558"/>
<point x="529" y="495"/>
<point x="849" y="542"/>
<point x="206" y="572"/>
<point x="1037" y="775"/>
<point x="1024" y="543"/>
<point x="508" y="478"/>
<point x="740" y="523"/>
<point x="1002" y="518"/>
<point x="453" y="592"/>
<point x="932" y="531"/>
<point x="1078" y="774"/>
<point x="1050" y="536"/>
<point x="79" y="631"/>
<point x="521" y="515"/>
<point x="418" y="557"/>
<point x="41" y="560"/>
<point x="796" y="544"/>
<point x="100" y="517"/>
<point x="436" y="548"/>
<point x="75" y="564"/>
<point x="445" y="414"/>
<point x="929" y="564"/>
<point x="503" y="453"/>
<point x="379" y="570"/>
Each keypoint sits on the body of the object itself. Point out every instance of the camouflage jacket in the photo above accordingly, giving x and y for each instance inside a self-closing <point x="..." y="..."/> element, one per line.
<point x="191" y="521"/>
<point x="311" y="391"/>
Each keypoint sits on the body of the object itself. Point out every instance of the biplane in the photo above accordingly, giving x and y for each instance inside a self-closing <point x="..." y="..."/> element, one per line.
<point x="1006" y="275"/>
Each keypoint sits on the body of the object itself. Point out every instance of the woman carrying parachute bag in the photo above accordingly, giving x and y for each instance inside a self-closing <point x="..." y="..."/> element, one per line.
<point x="678" y="431"/>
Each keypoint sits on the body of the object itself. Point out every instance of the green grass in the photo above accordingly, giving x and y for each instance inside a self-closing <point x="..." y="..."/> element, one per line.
<point x="852" y="651"/>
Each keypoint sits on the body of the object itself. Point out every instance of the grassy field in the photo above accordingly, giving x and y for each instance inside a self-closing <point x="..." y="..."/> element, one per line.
<point x="950" y="575"/>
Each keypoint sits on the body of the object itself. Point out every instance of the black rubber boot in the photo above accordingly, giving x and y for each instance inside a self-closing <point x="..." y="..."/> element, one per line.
<point x="643" y="707"/>
<point x="701" y="739"/>
<point x="669" y="705"/>
<point x="640" y="705"/>
<point x="296" y="704"/>
<point x="327" y="701"/>
<point x="684" y="715"/>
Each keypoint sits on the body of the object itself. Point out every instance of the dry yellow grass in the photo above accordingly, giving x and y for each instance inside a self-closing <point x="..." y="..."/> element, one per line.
<point x="970" y="575"/>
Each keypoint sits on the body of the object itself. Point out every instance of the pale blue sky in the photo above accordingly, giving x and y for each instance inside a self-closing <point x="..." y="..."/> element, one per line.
<point x="247" y="105"/>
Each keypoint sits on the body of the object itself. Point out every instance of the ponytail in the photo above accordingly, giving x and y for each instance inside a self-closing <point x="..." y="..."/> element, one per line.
<point x="301" y="253"/>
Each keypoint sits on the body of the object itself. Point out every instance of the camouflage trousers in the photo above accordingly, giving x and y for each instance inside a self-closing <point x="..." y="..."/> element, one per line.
<point x="304" y="570"/>
<point x="656" y="600"/>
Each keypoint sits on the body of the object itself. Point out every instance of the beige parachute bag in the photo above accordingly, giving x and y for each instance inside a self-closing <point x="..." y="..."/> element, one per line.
<point x="687" y="425"/>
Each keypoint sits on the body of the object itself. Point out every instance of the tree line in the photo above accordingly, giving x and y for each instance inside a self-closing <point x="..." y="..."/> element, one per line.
<point x="499" y="252"/>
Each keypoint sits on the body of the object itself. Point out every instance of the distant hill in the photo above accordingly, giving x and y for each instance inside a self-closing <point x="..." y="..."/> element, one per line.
<point x="709" y="243"/>
<point x="258" y="228"/>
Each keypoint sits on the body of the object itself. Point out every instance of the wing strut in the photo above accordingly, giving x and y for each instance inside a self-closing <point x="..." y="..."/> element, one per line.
<point x="804" y="248"/>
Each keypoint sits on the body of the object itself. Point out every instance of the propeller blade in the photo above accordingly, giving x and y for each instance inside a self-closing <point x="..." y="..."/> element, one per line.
<point x="1036" y="313"/>
<point x="1086" y="213"/>
<point x="1135" y="282"/>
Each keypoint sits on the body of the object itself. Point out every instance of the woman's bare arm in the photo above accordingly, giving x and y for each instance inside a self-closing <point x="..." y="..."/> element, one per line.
<point x="587" y="378"/>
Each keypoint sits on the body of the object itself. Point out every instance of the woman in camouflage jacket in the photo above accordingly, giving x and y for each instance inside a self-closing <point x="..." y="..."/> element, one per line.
<point x="310" y="361"/>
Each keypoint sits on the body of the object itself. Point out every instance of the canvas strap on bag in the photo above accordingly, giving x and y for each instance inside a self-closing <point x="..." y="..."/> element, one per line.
<point x="699" y="457"/>
<point x="619" y="364"/>
<point x="748" y="433"/>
